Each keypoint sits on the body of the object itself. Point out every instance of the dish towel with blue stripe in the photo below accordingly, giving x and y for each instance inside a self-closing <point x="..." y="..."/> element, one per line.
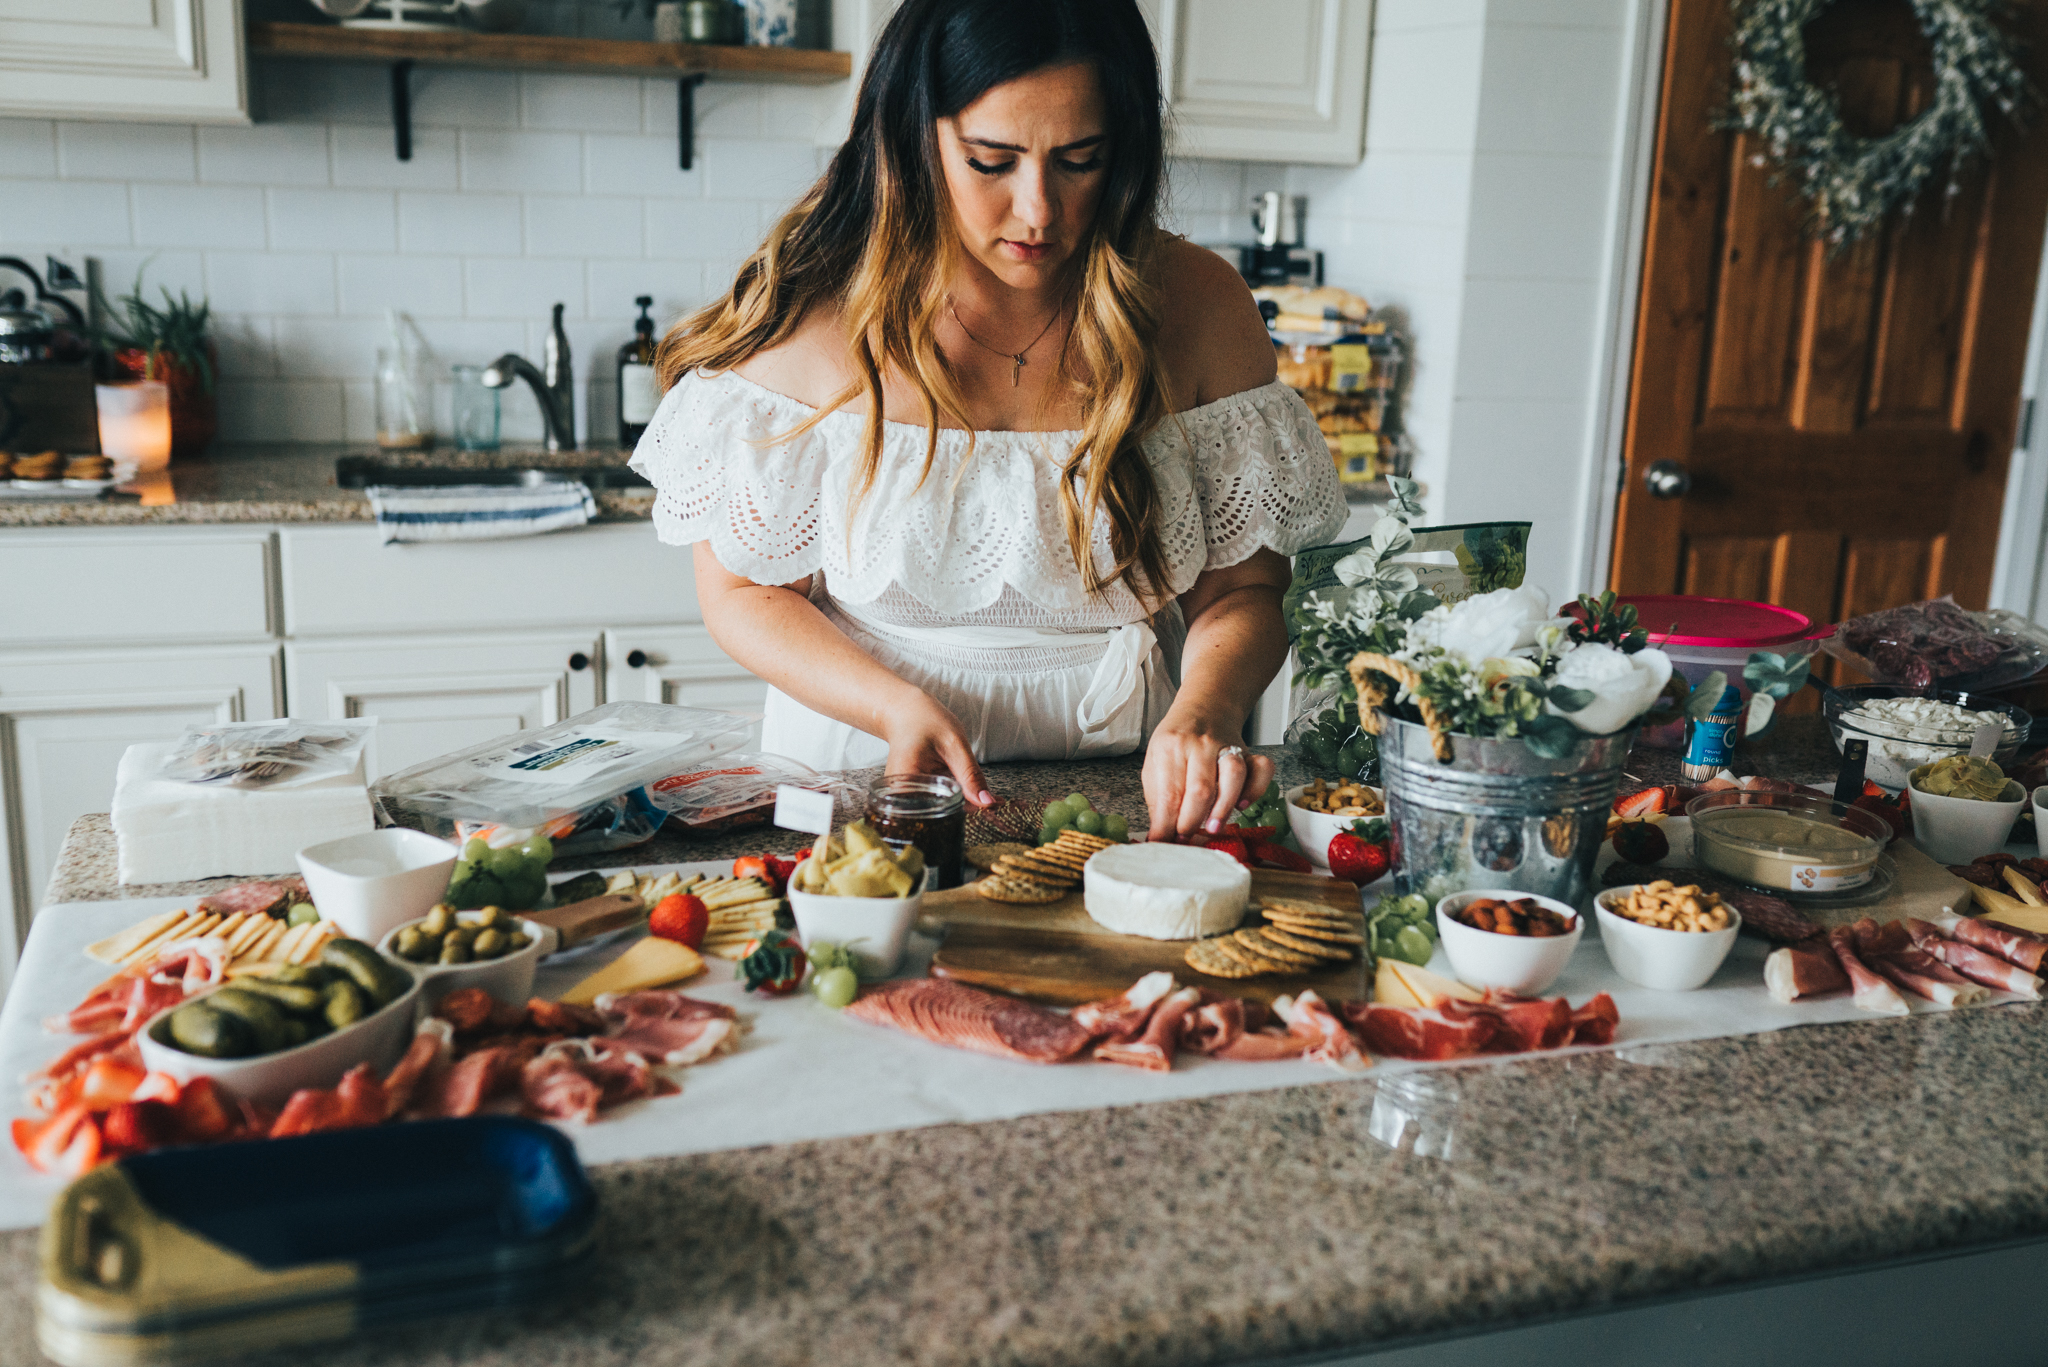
<point x="479" y="512"/>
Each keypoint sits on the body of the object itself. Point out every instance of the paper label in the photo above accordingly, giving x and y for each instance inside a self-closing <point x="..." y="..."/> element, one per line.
<point x="800" y="809"/>
<point x="1812" y="878"/>
<point x="1350" y="367"/>
<point x="637" y="396"/>
<point x="567" y="761"/>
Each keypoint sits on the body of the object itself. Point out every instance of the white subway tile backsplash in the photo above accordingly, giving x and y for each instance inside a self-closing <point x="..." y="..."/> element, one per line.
<point x="816" y="114"/>
<point x="333" y="220"/>
<point x="324" y="92"/>
<point x="1525" y="339"/>
<point x="88" y="213"/>
<point x="423" y="286"/>
<point x="584" y="104"/>
<point x="125" y="151"/>
<point x="330" y="348"/>
<point x="493" y="160"/>
<point x="725" y="109"/>
<point x="619" y="165"/>
<point x="677" y="288"/>
<point x="279" y="283"/>
<point x="264" y="154"/>
<point x="245" y="346"/>
<point x="719" y="232"/>
<point x="28" y="147"/>
<point x="280" y="410"/>
<point x="207" y="216"/>
<point x="483" y="225"/>
<point x="461" y="341"/>
<point x="359" y="411"/>
<point x="365" y="157"/>
<point x="464" y="98"/>
<point x="1424" y="93"/>
<point x="1550" y="90"/>
<point x="583" y="225"/>
<point x="522" y="287"/>
<point x="1538" y="217"/>
<point x="777" y="172"/>
<point x="178" y="272"/>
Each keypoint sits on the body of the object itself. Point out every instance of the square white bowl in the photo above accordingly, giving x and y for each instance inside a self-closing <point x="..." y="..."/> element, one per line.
<point x="1313" y="831"/>
<point x="1955" y="830"/>
<point x="873" y="929"/>
<point x="1524" y="965"/>
<point x="373" y="883"/>
<point x="1653" y="957"/>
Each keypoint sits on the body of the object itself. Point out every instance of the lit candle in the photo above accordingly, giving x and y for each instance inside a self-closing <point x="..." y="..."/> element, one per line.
<point x="135" y="423"/>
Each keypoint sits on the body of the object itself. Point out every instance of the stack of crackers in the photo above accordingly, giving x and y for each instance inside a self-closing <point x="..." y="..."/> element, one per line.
<point x="256" y="941"/>
<point x="1045" y="874"/>
<point x="741" y="909"/>
<point x="1292" y="937"/>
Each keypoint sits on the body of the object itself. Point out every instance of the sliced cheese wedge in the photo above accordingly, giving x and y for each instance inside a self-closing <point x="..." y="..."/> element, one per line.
<point x="653" y="962"/>
<point x="2021" y="917"/>
<point x="1399" y="984"/>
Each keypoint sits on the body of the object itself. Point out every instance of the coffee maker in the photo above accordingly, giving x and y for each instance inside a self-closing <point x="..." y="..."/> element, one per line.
<point x="46" y="369"/>
<point x="1278" y="253"/>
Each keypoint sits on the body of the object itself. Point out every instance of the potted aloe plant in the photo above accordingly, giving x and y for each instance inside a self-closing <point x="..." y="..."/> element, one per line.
<point x="169" y="344"/>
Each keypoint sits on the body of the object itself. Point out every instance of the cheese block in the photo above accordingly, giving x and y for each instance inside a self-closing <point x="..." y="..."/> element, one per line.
<point x="1399" y="984"/>
<point x="652" y="962"/>
<point x="1165" y="892"/>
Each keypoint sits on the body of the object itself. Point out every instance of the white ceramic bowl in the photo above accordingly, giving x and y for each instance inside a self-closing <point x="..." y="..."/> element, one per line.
<point x="1667" y="960"/>
<point x="509" y="977"/>
<point x="270" y="1079"/>
<point x="1955" y="830"/>
<point x="1313" y="831"/>
<point x="377" y="881"/>
<point x="1526" y="965"/>
<point x="872" y="928"/>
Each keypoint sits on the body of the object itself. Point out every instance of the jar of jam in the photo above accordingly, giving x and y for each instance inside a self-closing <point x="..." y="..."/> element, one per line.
<point x="925" y="810"/>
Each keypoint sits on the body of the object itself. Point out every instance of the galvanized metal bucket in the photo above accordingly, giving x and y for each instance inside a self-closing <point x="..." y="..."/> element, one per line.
<point x="1498" y="815"/>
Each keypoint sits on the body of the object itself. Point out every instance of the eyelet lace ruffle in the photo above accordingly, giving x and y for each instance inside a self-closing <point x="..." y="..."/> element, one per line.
<point x="1244" y="473"/>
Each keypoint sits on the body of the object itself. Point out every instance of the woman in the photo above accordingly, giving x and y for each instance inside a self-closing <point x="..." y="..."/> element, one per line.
<point x="970" y="438"/>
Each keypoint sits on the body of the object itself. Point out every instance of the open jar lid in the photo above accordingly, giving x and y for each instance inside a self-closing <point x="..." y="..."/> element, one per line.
<point x="1719" y="623"/>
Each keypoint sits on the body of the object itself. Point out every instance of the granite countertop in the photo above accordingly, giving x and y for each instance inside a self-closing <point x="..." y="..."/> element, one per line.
<point x="283" y="482"/>
<point x="1290" y="1221"/>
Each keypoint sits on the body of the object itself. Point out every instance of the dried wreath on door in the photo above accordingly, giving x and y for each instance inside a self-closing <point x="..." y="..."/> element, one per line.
<point x="1854" y="184"/>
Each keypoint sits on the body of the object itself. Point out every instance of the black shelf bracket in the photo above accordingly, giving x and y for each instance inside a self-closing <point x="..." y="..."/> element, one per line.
<point x="686" y="118"/>
<point x="401" y="106"/>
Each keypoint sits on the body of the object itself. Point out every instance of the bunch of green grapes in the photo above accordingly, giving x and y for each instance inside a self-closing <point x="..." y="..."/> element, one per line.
<point x="1074" y="810"/>
<point x="1267" y="809"/>
<point x="1336" y="747"/>
<point x="514" y="877"/>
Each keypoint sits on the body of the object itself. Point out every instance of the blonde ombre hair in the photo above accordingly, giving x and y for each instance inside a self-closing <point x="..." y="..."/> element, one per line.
<point x="874" y="239"/>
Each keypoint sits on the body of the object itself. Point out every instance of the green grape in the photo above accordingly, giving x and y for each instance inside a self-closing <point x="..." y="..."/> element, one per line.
<point x="301" y="914"/>
<point x="835" y="986"/>
<point x="538" y="849"/>
<point x="1080" y="803"/>
<point x="1115" y="827"/>
<point x="1048" y="834"/>
<point x="1412" y="946"/>
<point x="475" y="850"/>
<point x="1089" y="823"/>
<point x="505" y="862"/>
<point x="1057" y="814"/>
<point x="1428" y="928"/>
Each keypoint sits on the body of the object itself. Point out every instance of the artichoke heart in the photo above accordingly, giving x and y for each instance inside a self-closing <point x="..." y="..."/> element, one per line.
<point x="1979" y="780"/>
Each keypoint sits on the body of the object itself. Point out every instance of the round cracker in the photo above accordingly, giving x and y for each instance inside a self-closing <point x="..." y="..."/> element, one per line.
<point x="1249" y="957"/>
<point x="1204" y="957"/>
<point x="985" y="856"/>
<point x="1015" y="890"/>
<point x="1341" y="935"/>
<point x="1321" y="949"/>
<point x="1257" y="942"/>
<point x="1025" y="866"/>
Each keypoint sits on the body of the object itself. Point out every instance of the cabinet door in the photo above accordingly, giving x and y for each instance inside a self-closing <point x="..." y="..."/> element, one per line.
<point x="66" y="719"/>
<point x="680" y="665"/>
<point x="152" y="60"/>
<point x="433" y="697"/>
<point x="1281" y="80"/>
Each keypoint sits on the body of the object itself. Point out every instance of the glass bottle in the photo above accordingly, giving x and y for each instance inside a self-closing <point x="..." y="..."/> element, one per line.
<point x="405" y="407"/>
<point x="638" y="393"/>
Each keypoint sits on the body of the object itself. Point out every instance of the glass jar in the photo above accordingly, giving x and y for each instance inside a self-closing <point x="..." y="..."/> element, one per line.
<point x="405" y="401"/>
<point x="476" y="411"/>
<point x="925" y="810"/>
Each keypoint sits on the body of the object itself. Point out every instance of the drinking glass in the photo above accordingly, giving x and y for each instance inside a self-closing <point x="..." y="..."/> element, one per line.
<point x="135" y="423"/>
<point x="476" y="411"/>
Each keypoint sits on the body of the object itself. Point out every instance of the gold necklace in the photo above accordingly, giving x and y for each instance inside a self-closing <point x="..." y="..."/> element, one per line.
<point x="1015" y="359"/>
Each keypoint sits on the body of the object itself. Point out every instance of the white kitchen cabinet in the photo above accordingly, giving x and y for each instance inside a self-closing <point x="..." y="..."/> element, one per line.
<point x="432" y="696"/>
<point x="1280" y="80"/>
<point x="66" y="718"/>
<point x="680" y="665"/>
<point x="167" y="61"/>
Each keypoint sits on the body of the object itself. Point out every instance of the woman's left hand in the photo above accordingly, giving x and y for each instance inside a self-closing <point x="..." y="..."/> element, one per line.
<point x="1197" y="773"/>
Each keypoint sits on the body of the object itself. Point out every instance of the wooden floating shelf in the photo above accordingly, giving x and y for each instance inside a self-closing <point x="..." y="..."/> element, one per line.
<point x="538" y="52"/>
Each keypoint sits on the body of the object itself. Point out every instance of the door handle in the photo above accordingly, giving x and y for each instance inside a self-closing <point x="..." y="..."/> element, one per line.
<point x="579" y="661"/>
<point x="636" y="659"/>
<point x="1667" y="479"/>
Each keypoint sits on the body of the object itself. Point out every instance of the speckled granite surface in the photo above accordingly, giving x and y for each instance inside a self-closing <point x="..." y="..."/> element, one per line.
<point x="1282" y="1222"/>
<point x="295" y="483"/>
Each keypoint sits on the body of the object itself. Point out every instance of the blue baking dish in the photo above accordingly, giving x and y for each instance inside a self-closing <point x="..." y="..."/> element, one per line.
<point x="185" y="1255"/>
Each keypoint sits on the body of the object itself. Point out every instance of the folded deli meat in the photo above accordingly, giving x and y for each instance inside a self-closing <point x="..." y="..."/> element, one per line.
<point x="1956" y="961"/>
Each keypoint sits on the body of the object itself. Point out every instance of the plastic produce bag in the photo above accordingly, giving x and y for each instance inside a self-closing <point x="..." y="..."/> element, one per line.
<point x="1922" y="645"/>
<point x="287" y="753"/>
<point x="582" y="782"/>
<point x="740" y="792"/>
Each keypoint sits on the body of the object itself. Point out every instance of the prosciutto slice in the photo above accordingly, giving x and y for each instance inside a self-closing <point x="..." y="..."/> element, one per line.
<point x="357" y="1100"/>
<point x="1154" y="1049"/>
<point x="1265" y="1046"/>
<point x="1432" y="1035"/>
<point x="575" y="1079"/>
<point x="1309" y="1017"/>
<point x="1923" y="975"/>
<point x="1974" y="963"/>
<point x="668" y="1027"/>
<point x="1596" y="1021"/>
<point x="1122" y="1019"/>
<point x="473" y="1081"/>
<point x="1804" y="971"/>
<point x="1524" y="1025"/>
<point x="1213" y="1026"/>
<point x="2019" y="947"/>
<point x="1869" y="992"/>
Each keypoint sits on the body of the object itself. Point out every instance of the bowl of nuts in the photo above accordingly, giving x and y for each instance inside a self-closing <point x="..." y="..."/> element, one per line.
<point x="1318" y="811"/>
<point x="491" y="949"/>
<point x="1514" y="941"/>
<point x="1672" y="937"/>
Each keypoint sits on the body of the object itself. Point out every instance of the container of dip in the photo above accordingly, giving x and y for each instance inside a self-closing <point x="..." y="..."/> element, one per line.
<point x="1788" y="842"/>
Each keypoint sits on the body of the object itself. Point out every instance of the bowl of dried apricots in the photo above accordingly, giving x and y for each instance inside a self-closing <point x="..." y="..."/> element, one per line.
<point x="1514" y="941"/>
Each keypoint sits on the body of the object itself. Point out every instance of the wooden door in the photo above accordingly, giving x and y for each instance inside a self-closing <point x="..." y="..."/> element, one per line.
<point x="1846" y="422"/>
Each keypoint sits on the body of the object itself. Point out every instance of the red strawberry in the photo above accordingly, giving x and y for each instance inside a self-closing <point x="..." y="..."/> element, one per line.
<point x="680" y="917"/>
<point x="1646" y="801"/>
<point x="1279" y="857"/>
<point x="1358" y="860"/>
<point x="138" y="1126"/>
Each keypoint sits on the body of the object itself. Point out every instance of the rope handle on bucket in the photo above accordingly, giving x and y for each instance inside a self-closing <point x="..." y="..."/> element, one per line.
<point x="1371" y="696"/>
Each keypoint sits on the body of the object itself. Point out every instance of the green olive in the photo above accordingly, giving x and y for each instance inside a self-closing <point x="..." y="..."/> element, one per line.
<point x="408" y="943"/>
<point x="454" y="951"/>
<point x="488" y="917"/>
<point x="518" y="939"/>
<point x="489" y="945"/>
<point x="439" y="920"/>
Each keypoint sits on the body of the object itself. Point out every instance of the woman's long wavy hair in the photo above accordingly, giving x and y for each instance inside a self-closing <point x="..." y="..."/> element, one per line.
<point x="875" y="239"/>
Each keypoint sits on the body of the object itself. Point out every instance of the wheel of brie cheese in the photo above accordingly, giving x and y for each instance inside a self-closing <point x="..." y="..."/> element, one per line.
<point x="1165" y="892"/>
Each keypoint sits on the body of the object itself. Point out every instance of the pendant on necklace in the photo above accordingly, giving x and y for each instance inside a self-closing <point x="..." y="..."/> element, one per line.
<point x="1017" y="370"/>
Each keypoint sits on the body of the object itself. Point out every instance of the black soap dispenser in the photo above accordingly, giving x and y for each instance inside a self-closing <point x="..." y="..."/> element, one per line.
<point x="638" y="393"/>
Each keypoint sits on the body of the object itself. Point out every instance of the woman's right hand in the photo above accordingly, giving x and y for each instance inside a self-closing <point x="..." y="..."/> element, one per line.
<point x="925" y="738"/>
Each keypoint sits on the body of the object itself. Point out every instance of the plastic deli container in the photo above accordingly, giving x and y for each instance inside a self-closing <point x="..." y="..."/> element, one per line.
<point x="1702" y="635"/>
<point x="1788" y="842"/>
<point x="191" y="1254"/>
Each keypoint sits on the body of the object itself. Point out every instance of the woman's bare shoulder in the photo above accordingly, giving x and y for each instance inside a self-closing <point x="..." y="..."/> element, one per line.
<point x="1211" y="331"/>
<point x="809" y="365"/>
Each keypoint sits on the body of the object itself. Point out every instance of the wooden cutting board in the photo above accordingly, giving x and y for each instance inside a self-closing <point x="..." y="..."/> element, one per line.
<point x="1055" y="953"/>
<point x="1924" y="889"/>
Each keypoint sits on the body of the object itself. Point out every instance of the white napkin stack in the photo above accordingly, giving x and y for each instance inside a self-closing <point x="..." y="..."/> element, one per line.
<point x="168" y="832"/>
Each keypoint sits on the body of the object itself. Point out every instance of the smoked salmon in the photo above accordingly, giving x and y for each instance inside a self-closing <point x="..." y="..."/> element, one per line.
<point x="967" y="1018"/>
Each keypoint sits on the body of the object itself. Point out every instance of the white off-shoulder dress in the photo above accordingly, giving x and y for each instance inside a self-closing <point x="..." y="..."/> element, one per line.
<point x="963" y="584"/>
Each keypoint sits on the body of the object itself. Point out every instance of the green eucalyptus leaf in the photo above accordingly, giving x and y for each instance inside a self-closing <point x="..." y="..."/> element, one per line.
<point x="1779" y="676"/>
<point x="1570" y="699"/>
<point x="1416" y="602"/>
<point x="1549" y="737"/>
<point x="1708" y="692"/>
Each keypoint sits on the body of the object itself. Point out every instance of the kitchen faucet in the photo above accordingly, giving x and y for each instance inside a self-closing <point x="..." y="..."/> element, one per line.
<point x="553" y="384"/>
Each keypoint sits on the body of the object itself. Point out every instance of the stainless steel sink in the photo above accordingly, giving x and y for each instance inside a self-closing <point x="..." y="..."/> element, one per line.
<point x="357" y="472"/>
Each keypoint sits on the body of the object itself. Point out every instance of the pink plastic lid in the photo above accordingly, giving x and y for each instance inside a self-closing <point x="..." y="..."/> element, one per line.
<point x="1718" y="623"/>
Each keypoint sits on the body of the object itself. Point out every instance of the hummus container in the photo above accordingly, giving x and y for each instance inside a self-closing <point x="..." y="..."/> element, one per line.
<point x="1787" y="842"/>
<point x="1908" y="728"/>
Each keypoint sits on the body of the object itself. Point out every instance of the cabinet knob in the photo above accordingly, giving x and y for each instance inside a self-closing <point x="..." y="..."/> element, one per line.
<point x="579" y="661"/>
<point x="636" y="659"/>
<point x="1667" y="479"/>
